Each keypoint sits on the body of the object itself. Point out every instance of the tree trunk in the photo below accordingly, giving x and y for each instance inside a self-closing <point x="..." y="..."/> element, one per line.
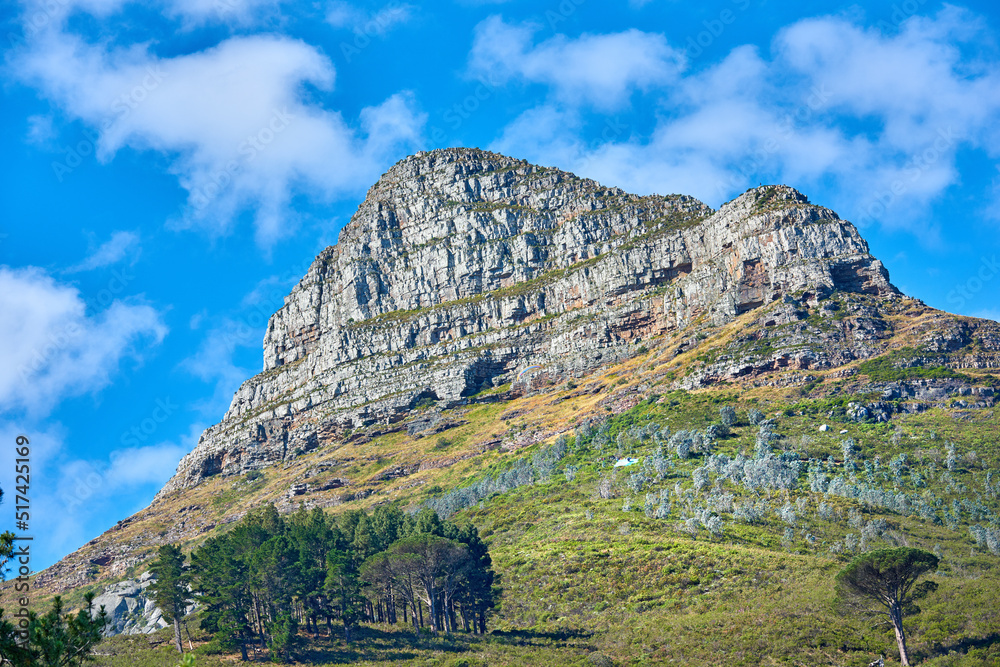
<point x="177" y="632"/>
<point x="897" y="624"/>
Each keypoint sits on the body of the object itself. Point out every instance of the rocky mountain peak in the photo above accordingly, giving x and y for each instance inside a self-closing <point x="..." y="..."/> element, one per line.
<point x="463" y="266"/>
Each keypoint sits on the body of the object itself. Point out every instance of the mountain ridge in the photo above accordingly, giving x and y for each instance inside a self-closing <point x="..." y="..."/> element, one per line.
<point x="482" y="258"/>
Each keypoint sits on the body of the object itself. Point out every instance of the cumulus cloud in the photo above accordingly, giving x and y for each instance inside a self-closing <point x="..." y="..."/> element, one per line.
<point x="232" y="120"/>
<point x="875" y="118"/>
<point x="599" y="70"/>
<point x="725" y="125"/>
<point x="53" y="349"/>
<point x="916" y="82"/>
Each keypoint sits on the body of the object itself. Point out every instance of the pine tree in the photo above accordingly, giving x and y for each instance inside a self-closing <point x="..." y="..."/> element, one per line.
<point x="883" y="582"/>
<point x="170" y="589"/>
<point x="344" y="588"/>
<point x="314" y="537"/>
<point x="55" y="640"/>
<point x="479" y="594"/>
<point x="221" y="579"/>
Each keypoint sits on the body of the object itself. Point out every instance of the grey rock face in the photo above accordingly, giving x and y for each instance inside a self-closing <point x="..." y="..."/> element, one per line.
<point x="130" y="610"/>
<point x="462" y="267"/>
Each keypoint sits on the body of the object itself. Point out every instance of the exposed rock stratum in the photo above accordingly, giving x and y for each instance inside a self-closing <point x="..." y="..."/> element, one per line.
<point x="463" y="267"/>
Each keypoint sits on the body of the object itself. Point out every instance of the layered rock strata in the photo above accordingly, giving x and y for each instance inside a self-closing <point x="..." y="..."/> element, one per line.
<point x="462" y="267"/>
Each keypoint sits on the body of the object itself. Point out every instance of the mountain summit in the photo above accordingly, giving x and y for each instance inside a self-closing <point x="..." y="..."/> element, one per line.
<point x="462" y="267"/>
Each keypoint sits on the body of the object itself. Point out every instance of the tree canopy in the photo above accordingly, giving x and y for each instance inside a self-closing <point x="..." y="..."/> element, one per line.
<point x="884" y="582"/>
<point x="170" y="589"/>
<point x="268" y="576"/>
<point x="53" y="639"/>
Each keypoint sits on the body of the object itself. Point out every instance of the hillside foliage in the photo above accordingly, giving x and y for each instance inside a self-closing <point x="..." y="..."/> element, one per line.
<point x="270" y="576"/>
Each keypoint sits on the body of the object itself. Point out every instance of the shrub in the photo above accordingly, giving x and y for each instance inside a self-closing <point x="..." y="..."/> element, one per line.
<point x="848" y="449"/>
<point x="727" y="414"/>
<point x="750" y="512"/>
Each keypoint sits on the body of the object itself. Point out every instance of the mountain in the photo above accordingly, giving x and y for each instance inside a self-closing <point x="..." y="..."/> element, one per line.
<point x="477" y="305"/>
<point x="462" y="267"/>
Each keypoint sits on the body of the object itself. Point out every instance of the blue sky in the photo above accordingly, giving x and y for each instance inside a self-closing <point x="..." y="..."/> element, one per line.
<point x="171" y="168"/>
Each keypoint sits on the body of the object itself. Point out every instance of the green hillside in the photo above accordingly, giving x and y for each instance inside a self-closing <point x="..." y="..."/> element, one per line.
<point x="717" y="545"/>
<point x="725" y="555"/>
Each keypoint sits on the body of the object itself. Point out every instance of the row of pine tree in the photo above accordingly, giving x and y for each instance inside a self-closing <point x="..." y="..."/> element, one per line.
<point x="263" y="583"/>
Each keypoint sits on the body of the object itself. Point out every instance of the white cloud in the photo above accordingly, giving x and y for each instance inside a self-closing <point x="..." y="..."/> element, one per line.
<point x="230" y="118"/>
<point x="241" y="12"/>
<point x="40" y="129"/>
<point x="350" y="17"/>
<point x="916" y="82"/>
<point x="152" y="465"/>
<point x="117" y="248"/>
<point x="598" y="70"/>
<point x="42" y="13"/>
<point x="876" y="119"/>
<point x="53" y="349"/>
<point x="723" y="122"/>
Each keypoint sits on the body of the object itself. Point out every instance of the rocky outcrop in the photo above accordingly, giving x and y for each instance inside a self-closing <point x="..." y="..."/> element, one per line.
<point x="131" y="610"/>
<point x="462" y="267"/>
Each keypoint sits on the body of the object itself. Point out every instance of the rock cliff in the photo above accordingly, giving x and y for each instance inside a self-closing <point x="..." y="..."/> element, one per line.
<point x="461" y="268"/>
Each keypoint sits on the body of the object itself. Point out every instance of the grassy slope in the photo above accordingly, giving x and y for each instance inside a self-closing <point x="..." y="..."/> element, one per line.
<point x="584" y="578"/>
<point x="620" y="584"/>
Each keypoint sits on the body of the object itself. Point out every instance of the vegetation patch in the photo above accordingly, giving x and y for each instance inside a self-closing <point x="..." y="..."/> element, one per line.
<point x="905" y="364"/>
